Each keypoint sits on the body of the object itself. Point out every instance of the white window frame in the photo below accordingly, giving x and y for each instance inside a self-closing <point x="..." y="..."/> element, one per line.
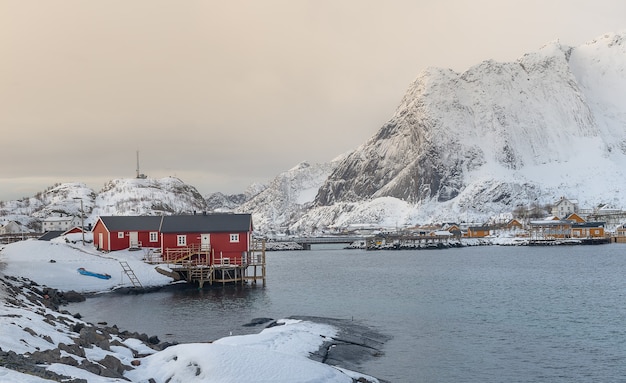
<point x="181" y="240"/>
<point x="154" y="236"/>
<point x="234" y="238"/>
<point x="120" y="234"/>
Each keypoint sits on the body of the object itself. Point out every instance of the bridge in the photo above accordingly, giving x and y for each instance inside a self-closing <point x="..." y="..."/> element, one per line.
<point x="306" y="242"/>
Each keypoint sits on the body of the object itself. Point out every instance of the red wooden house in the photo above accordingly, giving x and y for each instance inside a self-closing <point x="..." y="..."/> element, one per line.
<point x="112" y="233"/>
<point x="210" y="238"/>
<point x="225" y="238"/>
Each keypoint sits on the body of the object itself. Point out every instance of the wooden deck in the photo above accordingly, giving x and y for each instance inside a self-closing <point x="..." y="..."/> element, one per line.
<point x="201" y="266"/>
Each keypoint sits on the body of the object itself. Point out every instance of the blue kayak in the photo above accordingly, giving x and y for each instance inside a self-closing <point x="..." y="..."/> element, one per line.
<point x="92" y="274"/>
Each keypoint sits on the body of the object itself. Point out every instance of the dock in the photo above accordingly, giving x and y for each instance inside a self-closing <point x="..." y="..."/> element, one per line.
<point x="411" y="241"/>
<point x="201" y="265"/>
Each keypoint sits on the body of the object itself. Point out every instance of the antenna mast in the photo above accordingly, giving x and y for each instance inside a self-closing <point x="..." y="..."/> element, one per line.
<point x="139" y="175"/>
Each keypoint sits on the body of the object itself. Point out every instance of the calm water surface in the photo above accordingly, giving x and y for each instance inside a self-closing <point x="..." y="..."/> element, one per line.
<point x="476" y="314"/>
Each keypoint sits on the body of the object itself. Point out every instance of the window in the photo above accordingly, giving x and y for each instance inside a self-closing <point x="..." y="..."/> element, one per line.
<point x="234" y="238"/>
<point x="181" y="240"/>
<point x="154" y="236"/>
<point x="120" y="234"/>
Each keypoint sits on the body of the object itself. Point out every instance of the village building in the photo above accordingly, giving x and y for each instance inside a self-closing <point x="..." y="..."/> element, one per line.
<point x="575" y="218"/>
<point x="588" y="230"/>
<point x="203" y="248"/>
<point x="620" y="234"/>
<point x="111" y="233"/>
<point x="452" y="228"/>
<point x="514" y="224"/>
<point x="60" y="223"/>
<point x="478" y="231"/>
<point x="11" y="227"/>
<point x="564" y="207"/>
<point x="224" y="237"/>
<point x="550" y="228"/>
<point x="50" y="235"/>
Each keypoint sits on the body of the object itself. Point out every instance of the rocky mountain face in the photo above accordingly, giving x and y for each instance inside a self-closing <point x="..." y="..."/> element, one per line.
<point x="551" y="123"/>
<point x="225" y="202"/>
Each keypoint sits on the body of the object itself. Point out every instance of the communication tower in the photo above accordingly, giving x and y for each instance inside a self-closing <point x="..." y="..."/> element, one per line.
<point x="139" y="174"/>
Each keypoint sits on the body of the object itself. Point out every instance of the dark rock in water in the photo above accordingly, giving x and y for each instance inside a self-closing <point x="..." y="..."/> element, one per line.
<point x="73" y="296"/>
<point x="257" y="321"/>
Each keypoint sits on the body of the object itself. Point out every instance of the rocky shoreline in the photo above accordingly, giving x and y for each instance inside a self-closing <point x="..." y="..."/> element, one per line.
<point x="46" y="302"/>
<point x="354" y="344"/>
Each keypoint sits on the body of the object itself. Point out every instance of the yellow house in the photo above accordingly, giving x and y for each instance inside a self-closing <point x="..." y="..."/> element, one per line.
<point x="513" y="224"/>
<point x="477" y="231"/>
<point x="588" y="230"/>
<point x="575" y="218"/>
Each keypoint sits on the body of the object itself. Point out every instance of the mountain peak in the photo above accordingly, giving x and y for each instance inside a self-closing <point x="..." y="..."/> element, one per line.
<point x="525" y="127"/>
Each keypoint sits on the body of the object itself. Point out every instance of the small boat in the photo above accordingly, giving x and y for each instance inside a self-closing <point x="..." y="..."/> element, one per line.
<point x="82" y="271"/>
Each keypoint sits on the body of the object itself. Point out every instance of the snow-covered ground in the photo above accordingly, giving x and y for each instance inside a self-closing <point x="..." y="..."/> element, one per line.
<point x="277" y="354"/>
<point x="55" y="264"/>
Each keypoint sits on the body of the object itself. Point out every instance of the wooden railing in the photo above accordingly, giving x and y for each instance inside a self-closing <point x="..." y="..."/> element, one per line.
<point x="179" y="254"/>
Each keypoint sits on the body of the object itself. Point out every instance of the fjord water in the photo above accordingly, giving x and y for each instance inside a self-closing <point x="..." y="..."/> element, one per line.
<point x="474" y="314"/>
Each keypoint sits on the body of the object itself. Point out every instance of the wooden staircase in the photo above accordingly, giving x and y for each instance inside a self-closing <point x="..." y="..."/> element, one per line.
<point x="131" y="274"/>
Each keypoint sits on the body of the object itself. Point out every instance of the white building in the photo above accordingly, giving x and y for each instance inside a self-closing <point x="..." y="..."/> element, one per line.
<point x="564" y="207"/>
<point x="10" y="227"/>
<point x="61" y="223"/>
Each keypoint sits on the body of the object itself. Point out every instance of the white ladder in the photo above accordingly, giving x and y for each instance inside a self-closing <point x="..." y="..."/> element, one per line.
<point x="131" y="274"/>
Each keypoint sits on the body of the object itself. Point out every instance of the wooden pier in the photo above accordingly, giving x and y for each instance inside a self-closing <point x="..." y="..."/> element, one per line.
<point x="201" y="265"/>
<point x="409" y="241"/>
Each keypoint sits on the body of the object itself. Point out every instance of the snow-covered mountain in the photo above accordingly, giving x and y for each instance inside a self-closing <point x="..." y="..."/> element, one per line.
<point x="220" y="202"/>
<point x="288" y="196"/>
<point x="478" y="143"/>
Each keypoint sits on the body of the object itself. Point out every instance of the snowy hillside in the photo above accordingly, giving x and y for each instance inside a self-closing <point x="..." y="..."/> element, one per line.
<point x="132" y="196"/>
<point x="118" y="197"/>
<point x="61" y="199"/>
<point x="288" y="196"/>
<point x="479" y="143"/>
<point x="220" y="202"/>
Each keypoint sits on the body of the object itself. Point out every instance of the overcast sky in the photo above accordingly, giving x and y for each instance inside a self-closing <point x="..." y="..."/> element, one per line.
<point x="226" y="93"/>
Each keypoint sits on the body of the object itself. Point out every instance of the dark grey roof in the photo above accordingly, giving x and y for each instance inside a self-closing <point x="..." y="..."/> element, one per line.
<point x="48" y="235"/>
<point x="588" y="224"/>
<point x="132" y="223"/>
<point x="209" y="223"/>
